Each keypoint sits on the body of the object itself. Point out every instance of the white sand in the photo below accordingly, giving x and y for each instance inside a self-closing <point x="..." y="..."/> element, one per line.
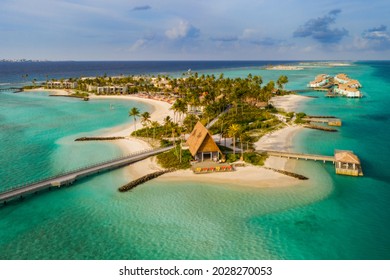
<point x="281" y="140"/>
<point x="130" y="144"/>
<point x="288" y="103"/>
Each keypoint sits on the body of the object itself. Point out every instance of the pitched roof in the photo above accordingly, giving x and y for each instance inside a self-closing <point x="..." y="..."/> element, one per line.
<point x="198" y="136"/>
<point x="347" y="157"/>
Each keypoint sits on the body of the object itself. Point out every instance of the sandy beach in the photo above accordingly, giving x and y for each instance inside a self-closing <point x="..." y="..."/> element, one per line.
<point x="253" y="176"/>
<point x="248" y="176"/>
<point x="288" y="103"/>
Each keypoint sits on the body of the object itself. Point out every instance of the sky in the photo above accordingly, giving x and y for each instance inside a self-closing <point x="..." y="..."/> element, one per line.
<point x="195" y="30"/>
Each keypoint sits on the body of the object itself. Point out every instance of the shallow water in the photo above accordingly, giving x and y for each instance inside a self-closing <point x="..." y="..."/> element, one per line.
<point x="329" y="217"/>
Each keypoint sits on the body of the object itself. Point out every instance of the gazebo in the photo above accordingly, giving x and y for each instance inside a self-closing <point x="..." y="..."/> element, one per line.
<point x="347" y="163"/>
<point x="202" y="145"/>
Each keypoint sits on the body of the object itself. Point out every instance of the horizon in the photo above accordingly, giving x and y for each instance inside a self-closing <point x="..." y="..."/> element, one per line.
<point x="194" y="60"/>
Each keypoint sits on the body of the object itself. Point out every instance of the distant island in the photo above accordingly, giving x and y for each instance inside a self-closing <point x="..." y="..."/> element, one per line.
<point x="284" y="67"/>
<point x="22" y="60"/>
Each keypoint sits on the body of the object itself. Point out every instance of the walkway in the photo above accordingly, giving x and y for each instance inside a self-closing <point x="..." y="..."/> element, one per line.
<point x="70" y="177"/>
<point x="290" y="155"/>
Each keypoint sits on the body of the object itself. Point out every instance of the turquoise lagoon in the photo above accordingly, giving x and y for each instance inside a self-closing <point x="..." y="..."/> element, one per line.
<point x="329" y="217"/>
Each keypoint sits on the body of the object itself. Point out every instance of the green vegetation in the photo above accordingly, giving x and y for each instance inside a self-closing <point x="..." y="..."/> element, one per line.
<point x="299" y="118"/>
<point x="255" y="158"/>
<point x="134" y="112"/>
<point x="80" y="94"/>
<point x="242" y="105"/>
<point x="172" y="159"/>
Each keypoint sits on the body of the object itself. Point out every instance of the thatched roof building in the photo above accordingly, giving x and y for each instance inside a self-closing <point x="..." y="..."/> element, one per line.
<point x="202" y="145"/>
<point x="347" y="163"/>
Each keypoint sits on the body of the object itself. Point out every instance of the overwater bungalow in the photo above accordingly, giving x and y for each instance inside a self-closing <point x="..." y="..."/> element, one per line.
<point x="348" y="91"/>
<point x="347" y="87"/>
<point x="202" y="145"/>
<point x="347" y="163"/>
<point x="320" y="80"/>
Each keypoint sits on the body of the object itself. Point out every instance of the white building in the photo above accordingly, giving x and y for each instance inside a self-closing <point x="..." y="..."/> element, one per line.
<point x="60" y="85"/>
<point x="112" y="90"/>
<point x="348" y="91"/>
<point x="320" y="80"/>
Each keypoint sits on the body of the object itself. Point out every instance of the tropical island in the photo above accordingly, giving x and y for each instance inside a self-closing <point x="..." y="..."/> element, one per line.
<point x="213" y="124"/>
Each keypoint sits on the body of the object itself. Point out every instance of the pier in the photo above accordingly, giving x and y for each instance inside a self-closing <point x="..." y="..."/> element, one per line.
<point x="329" y="121"/>
<point x="346" y="162"/>
<point x="290" y="155"/>
<point x="70" y="177"/>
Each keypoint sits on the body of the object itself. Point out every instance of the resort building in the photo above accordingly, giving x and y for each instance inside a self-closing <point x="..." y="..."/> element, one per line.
<point x="112" y="90"/>
<point x="348" y="91"/>
<point x="61" y="84"/>
<point x="202" y="145"/>
<point x="344" y="79"/>
<point x="347" y="87"/>
<point x="195" y="109"/>
<point x="320" y="81"/>
<point x="347" y="163"/>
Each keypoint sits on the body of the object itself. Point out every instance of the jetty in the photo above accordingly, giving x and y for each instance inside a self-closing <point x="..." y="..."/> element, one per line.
<point x="70" y="177"/>
<point x="329" y="121"/>
<point x="144" y="179"/>
<point x="346" y="162"/>
<point x="291" y="155"/>
<point x="109" y="138"/>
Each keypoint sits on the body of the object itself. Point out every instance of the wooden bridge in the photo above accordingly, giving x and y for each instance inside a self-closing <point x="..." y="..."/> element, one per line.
<point x="290" y="155"/>
<point x="70" y="177"/>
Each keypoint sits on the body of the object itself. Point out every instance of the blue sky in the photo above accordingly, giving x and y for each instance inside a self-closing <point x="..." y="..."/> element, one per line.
<point x="202" y="29"/>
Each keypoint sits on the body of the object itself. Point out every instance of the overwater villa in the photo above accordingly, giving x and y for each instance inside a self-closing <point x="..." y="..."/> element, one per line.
<point x="348" y="91"/>
<point x="202" y="145"/>
<point x="347" y="163"/>
<point x="320" y="81"/>
<point x="347" y="86"/>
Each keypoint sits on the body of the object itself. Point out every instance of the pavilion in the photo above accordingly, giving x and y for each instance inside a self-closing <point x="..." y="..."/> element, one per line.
<point x="202" y="145"/>
<point x="347" y="163"/>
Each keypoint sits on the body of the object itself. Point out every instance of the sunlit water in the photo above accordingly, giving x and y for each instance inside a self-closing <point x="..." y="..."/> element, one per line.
<point x="328" y="217"/>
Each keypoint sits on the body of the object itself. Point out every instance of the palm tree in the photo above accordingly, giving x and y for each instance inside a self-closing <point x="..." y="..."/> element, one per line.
<point x="134" y="112"/>
<point x="145" y="120"/>
<point x="154" y="125"/>
<point x="234" y="129"/>
<point x="167" y="122"/>
<point x="282" y="81"/>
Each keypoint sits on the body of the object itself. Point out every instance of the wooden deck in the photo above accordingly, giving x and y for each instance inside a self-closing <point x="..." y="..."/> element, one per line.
<point x="290" y="155"/>
<point x="70" y="177"/>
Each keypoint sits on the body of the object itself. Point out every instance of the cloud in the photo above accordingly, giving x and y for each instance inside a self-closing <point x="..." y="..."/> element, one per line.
<point x="140" y="43"/>
<point x="319" y="29"/>
<point x="183" y="29"/>
<point x="226" y="38"/>
<point x="267" y="42"/>
<point x="377" y="38"/>
<point x="142" y="8"/>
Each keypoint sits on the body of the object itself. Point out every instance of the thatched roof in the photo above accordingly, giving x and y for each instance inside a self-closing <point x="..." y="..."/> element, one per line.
<point x="201" y="140"/>
<point x="346" y="157"/>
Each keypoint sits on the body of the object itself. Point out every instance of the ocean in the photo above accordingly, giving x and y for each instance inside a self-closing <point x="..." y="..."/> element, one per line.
<point x="329" y="217"/>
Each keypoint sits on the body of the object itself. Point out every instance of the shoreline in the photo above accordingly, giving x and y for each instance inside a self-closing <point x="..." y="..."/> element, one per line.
<point x="255" y="176"/>
<point x="248" y="176"/>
